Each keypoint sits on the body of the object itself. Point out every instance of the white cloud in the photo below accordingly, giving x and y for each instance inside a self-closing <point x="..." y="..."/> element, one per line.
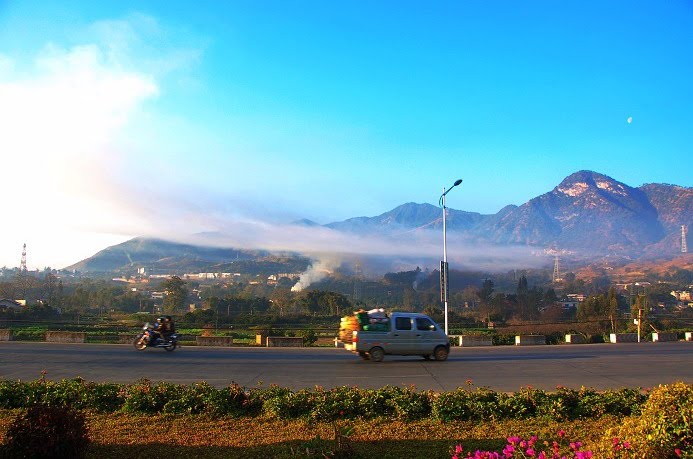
<point x="59" y="128"/>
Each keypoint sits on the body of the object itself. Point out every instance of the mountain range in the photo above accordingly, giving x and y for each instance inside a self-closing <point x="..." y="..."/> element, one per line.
<point x="587" y="213"/>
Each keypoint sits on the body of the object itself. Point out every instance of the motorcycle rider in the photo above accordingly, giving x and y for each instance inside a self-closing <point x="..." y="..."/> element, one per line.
<point x="159" y="328"/>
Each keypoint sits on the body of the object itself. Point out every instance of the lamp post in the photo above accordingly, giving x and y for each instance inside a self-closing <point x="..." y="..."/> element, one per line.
<point x="444" y="263"/>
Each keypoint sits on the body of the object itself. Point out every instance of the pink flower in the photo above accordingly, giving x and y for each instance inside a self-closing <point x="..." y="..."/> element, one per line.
<point x="561" y="433"/>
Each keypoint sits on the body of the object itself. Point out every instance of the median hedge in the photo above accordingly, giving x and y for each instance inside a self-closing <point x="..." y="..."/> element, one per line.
<point x="462" y="404"/>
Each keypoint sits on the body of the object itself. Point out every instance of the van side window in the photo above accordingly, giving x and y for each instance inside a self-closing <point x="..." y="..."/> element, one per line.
<point x="403" y="323"/>
<point x="423" y="323"/>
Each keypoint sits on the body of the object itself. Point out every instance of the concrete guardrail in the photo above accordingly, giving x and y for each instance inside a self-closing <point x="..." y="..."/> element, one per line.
<point x="214" y="340"/>
<point x="284" y="341"/>
<point x="65" y="337"/>
<point x="575" y="338"/>
<point x="689" y="336"/>
<point x="6" y="335"/>
<point x="663" y="337"/>
<point x="623" y="338"/>
<point x="475" y="340"/>
<point x="529" y="340"/>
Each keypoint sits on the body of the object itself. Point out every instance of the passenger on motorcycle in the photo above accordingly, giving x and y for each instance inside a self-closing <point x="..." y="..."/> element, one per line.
<point x="170" y="327"/>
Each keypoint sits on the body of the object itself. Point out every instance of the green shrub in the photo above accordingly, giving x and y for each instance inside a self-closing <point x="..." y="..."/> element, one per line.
<point x="12" y="394"/>
<point x="664" y="428"/>
<point x="309" y="336"/>
<point x="503" y="340"/>
<point x="555" y="338"/>
<point x="46" y="431"/>
<point x="29" y="334"/>
<point x="186" y="399"/>
<point x="320" y="404"/>
<point x="452" y="406"/>
<point x="68" y="392"/>
<point x="622" y="402"/>
<point x="290" y="405"/>
<point x="522" y="404"/>
<point x="337" y="403"/>
<point x="143" y="397"/>
<point x="232" y="400"/>
<point x="561" y="405"/>
<point x="410" y="404"/>
<point x="104" y="397"/>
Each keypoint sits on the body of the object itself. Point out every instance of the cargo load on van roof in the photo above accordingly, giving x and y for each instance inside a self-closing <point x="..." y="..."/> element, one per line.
<point x="375" y="333"/>
<point x="362" y="320"/>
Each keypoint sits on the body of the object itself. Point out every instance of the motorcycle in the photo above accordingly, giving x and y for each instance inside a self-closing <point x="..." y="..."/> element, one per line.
<point x="150" y="339"/>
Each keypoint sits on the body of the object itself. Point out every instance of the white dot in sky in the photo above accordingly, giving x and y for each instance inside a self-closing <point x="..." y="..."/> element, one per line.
<point x="630" y="119"/>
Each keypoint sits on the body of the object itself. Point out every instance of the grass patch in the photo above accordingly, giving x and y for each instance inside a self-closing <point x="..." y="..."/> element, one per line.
<point x="118" y="435"/>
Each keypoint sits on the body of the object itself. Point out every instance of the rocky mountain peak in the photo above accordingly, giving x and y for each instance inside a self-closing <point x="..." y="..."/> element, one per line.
<point x="582" y="182"/>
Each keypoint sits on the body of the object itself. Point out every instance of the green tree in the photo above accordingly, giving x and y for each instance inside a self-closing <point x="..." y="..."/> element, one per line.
<point x="612" y="308"/>
<point x="323" y="302"/>
<point x="522" y="288"/>
<point x="176" y="294"/>
<point x="486" y="291"/>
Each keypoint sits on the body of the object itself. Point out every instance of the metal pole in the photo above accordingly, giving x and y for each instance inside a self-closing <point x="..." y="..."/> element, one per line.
<point x="639" y="322"/>
<point x="443" y="268"/>
<point x="445" y="263"/>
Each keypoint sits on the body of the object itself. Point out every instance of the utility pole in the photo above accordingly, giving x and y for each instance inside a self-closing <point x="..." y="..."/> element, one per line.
<point x="556" y="271"/>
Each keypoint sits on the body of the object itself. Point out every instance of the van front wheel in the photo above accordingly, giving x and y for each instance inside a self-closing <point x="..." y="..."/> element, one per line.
<point x="441" y="353"/>
<point x="377" y="354"/>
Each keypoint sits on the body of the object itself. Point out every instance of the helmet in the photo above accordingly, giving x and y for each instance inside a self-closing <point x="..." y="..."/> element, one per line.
<point x="160" y="319"/>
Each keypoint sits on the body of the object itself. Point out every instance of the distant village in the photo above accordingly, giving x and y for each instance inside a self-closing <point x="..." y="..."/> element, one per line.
<point x="679" y="300"/>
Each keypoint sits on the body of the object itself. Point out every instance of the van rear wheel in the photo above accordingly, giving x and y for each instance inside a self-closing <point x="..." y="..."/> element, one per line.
<point x="441" y="353"/>
<point x="377" y="354"/>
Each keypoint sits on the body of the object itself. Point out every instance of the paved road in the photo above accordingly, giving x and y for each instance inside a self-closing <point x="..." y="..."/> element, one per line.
<point x="502" y="368"/>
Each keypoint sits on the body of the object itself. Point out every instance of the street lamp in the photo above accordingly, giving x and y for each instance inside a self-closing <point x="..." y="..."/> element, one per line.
<point x="444" y="263"/>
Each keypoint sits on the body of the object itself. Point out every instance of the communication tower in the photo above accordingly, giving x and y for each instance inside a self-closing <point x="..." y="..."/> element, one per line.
<point x="23" y="275"/>
<point x="358" y="282"/>
<point x="22" y="264"/>
<point x="684" y="246"/>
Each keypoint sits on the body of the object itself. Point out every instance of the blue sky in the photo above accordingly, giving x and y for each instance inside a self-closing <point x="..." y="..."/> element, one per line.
<point x="173" y="117"/>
